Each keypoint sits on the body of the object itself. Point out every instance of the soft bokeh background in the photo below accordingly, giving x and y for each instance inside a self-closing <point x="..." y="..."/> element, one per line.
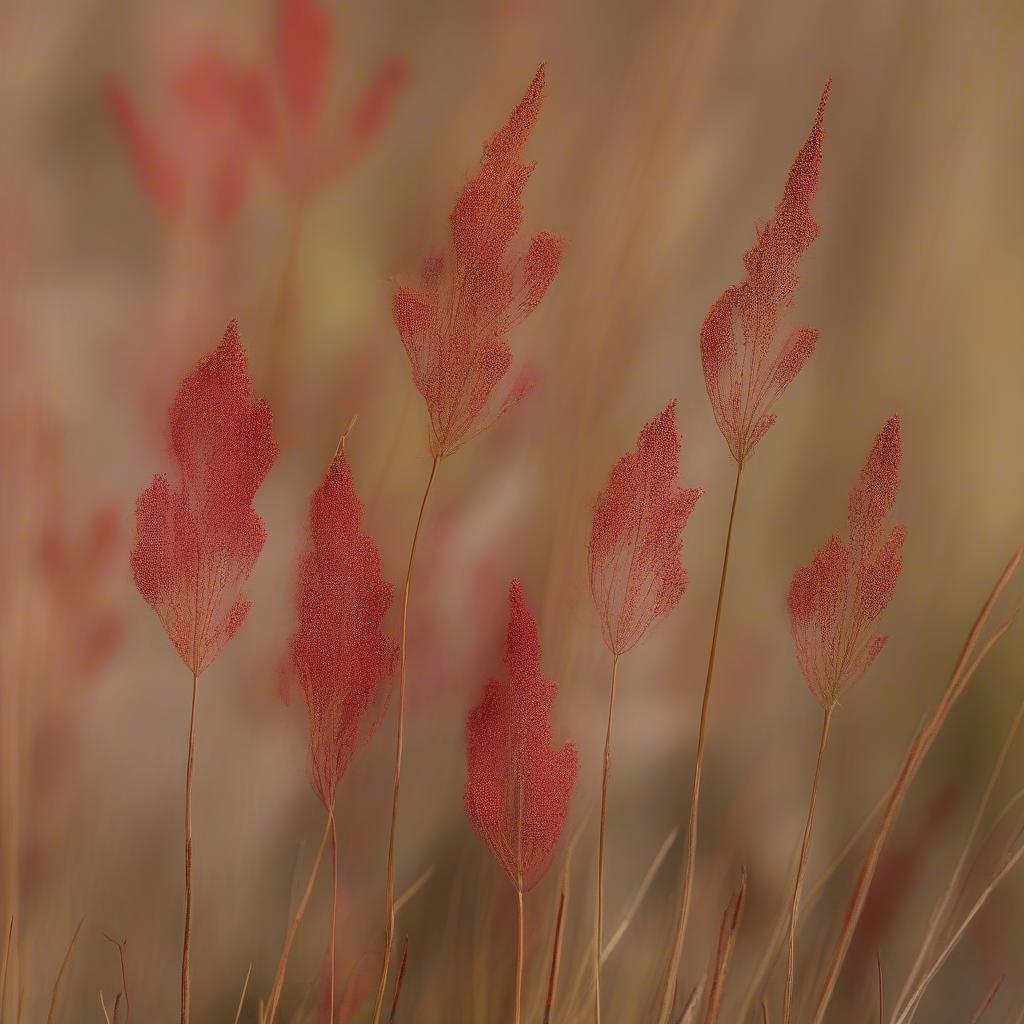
<point x="667" y="134"/>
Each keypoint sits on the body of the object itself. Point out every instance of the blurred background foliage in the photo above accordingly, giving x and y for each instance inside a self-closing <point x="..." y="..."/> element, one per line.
<point x="668" y="130"/>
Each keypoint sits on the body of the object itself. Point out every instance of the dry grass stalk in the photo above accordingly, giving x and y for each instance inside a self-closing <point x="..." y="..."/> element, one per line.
<point x="987" y="1000"/>
<point x="241" y="998"/>
<point x="274" y="998"/>
<point x="556" y="951"/>
<point x="727" y="933"/>
<point x="55" y="994"/>
<point x="689" y="864"/>
<point x="944" y="904"/>
<point x="399" y="980"/>
<point x="914" y="1001"/>
<point x="805" y="845"/>
<point x="964" y="668"/>
<point x="808" y="904"/>
<point x="389" y="892"/>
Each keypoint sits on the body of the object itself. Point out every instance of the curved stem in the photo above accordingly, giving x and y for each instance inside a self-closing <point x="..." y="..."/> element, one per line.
<point x="965" y="667"/>
<point x="334" y="906"/>
<point x="520" y="951"/>
<point x="682" y="918"/>
<point x="389" y="919"/>
<point x="187" y="941"/>
<point x="599" y="943"/>
<point x="944" y="902"/>
<point x="275" y="992"/>
<point x="794" y="909"/>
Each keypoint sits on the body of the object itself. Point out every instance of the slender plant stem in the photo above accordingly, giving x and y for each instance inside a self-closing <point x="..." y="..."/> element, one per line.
<point x="398" y="982"/>
<point x="517" y="1011"/>
<point x="944" y="903"/>
<point x="55" y="994"/>
<point x="556" y="956"/>
<point x="389" y="914"/>
<point x="186" y="946"/>
<point x="275" y="992"/>
<point x="682" y="918"/>
<point x="965" y="667"/>
<point x="241" y="998"/>
<point x="334" y="905"/>
<point x="599" y="938"/>
<point x="801" y="867"/>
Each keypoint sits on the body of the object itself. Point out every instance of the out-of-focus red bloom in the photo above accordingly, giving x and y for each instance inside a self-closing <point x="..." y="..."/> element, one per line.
<point x="455" y="324"/>
<point x="198" y="539"/>
<point x="517" y="787"/>
<point x="745" y="378"/>
<point x="636" y="540"/>
<point x="835" y="602"/>
<point x="74" y="569"/>
<point x="283" y="104"/>
<point x="340" y="656"/>
<point x="196" y="156"/>
<point x="193" y="159"/>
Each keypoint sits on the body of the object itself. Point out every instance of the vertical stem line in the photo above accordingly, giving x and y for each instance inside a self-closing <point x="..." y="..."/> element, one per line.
<point x="599" y="939"/>
<point x="794" y="910"/>
<point x="520" y="951"/>
<point x="274" y="999"/>
<point x="389" y="919"/>
<point x="186" y="945"/>
<point x="668" y="996"/>
<point x="334" y="905"/>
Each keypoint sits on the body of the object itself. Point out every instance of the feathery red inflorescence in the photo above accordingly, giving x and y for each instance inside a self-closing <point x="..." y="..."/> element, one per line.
<point x="636" y="540"/>
<point x="517" y="787"/>
<point x="339" y="655"/>
<point x="198" y="538"/>
<point x="455" y="324"/>
<point x="745" y="378"/>
<point x="835" y="602"/>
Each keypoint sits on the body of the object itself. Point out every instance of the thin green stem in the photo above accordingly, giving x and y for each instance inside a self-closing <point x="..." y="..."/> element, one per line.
<point x="682" y="918"/>
<point x="389" y="919"/>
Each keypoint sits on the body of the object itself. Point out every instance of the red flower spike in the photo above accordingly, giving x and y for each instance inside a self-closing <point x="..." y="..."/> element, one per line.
<point x="455" y="324"/>
<point x="745" y="380"/>
<point x="339" y="655"/>
<point x="636" y="540"/>
<point x="836" y="600"/>
<point x="198" y="540"/>
<point x="518" y="788"/>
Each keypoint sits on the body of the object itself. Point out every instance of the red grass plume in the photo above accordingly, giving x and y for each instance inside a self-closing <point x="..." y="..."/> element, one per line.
<point x="745" y="378"/>
<point x="339" y="654"/>
<point x="835" y="602"/>
<point x="517" y="787"/>
<point x="455" y="324"/>
<point x="198" y="538"/>
<point x="636" y="540"/>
